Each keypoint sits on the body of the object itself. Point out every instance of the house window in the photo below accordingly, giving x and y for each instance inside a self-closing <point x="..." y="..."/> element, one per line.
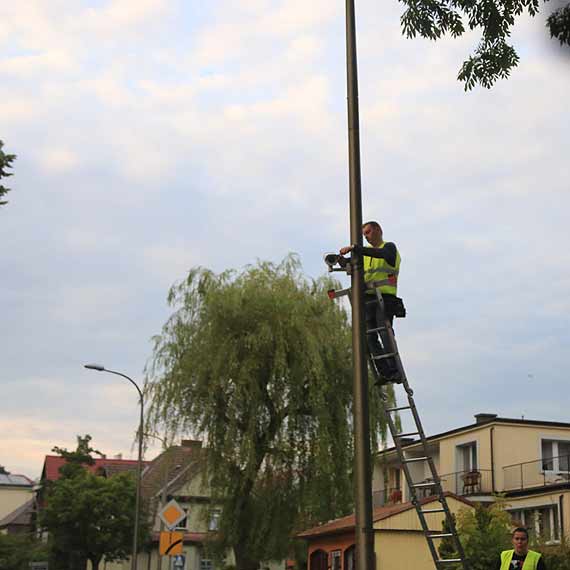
<point x="555" y="455"/>
<point x="336" y="557"/>
<point x="214" y="520"/>
<point x="541" y="522"/>
<point x="183" y="524"/>
<point x="467" y="457"/>
<point x="206" y="564"/>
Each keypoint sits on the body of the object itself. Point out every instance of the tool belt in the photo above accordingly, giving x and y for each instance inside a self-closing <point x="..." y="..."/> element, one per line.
<point x="394" y="306"/>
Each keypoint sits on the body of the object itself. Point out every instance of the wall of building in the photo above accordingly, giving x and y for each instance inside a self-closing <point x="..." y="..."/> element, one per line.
<point x="402" y="549"/>
<point x="519" y="443"/>
<point x="13" y="497"/>
<point x="448" y="462"/>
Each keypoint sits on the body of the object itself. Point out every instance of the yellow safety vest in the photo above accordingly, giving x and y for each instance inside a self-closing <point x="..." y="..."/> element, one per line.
<point x="530" y="562"/>
<point x="377" y="269"/>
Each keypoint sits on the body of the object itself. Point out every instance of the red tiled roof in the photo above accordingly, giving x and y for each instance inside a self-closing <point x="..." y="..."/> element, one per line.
<point x="347" y="523"/>
<point x="53" y="463"/>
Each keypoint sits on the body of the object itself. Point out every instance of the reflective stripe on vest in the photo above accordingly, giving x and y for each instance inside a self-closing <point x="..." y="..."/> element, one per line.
<point x="530" y="562"/>
<point x="376" y="269"/>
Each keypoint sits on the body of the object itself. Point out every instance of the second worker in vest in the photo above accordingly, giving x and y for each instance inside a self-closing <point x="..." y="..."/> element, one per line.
<point x="520" y="557"/>
<point x="381" y="265"/>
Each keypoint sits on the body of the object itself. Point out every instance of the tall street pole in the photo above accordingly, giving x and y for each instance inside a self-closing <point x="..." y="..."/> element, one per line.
<point x="363" y="480"/>
<point x="100" y="368"/>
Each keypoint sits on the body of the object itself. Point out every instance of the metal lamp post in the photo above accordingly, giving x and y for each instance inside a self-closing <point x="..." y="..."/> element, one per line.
<point x="100" y="368"/>
<point x="164" y="485"/>
<point x="363" y="490"/>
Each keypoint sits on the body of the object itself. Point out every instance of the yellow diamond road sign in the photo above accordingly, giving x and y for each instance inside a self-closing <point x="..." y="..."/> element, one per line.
<point x="171" y="514"/>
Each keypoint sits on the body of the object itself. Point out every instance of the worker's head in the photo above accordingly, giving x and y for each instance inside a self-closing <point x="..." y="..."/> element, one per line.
<point x="520" y="540"/>
<point x="372" y="232"/>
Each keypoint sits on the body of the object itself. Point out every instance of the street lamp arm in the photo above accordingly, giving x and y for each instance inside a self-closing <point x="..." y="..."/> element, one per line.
<point x="129" y="379"/>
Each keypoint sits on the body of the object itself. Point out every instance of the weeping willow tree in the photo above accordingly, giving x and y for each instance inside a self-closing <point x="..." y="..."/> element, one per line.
<point x="258" y="363"/>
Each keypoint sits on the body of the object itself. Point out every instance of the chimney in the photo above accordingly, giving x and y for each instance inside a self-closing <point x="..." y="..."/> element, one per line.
<point x="192" y="443"/>
<point x="118" y="456"/>
<point x="484" y="418"/>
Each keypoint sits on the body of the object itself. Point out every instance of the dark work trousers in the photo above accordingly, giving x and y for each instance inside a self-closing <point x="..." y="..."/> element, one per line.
<point x="379" y="342"/>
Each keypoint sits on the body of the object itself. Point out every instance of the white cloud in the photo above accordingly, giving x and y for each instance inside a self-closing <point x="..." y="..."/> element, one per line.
<point x="77" y="305"/>
<point x="57" y="160"/>
<point x="120" y="14"/>
<point x="46" y="62"/>
<point x="169" y="263"/>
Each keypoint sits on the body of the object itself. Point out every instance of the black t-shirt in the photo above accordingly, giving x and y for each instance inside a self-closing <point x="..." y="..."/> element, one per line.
<point x="518" y="561"/>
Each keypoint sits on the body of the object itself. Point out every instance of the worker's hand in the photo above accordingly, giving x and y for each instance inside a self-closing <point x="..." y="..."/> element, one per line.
<point x="345" y="250"/>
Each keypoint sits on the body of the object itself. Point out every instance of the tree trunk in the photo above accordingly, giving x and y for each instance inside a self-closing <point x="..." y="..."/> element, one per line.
<point x="243" y="561"/>
<point x="95" y="562"/>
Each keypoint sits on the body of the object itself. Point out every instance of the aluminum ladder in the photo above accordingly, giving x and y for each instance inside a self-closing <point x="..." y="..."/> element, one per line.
<point x="434" y="483"/>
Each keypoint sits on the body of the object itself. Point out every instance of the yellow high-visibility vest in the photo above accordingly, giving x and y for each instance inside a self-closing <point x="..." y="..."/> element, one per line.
<point x="376" y="269"/>
<point x="530" y="562"/>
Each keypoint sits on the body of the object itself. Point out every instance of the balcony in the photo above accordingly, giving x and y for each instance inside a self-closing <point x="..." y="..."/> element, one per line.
<point x="468" y="483"/>
<point x="386" y="497"/>
<point x="535" y="474"/>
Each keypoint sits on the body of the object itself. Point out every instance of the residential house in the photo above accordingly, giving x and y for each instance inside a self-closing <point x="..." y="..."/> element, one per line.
<point x="178" y="474"/>
<point x="528" y="461"/>
<point x="15" y="490"/>
<point x="398" y="538"/>
<point x="16" y="502"/>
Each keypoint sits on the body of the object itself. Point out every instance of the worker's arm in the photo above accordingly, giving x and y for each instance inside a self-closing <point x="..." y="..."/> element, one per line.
<point x="388" y="252"/>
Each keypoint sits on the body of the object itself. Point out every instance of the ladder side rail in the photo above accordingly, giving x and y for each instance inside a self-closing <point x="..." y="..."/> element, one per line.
<point x="415" y="501"/>
<point x="436" y="481"/>
<point x="436" y="478"/>
<point x="439" y="493"/>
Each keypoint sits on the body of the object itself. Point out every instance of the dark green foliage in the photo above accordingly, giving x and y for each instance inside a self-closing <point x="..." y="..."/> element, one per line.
<point x="555" y="557"/>
<point x="89" y="516"/>
<point x="6" y="161"/>
<point x="484" y="534"/>
<point x="559" y="25"/>
<point x="78" y="459"/>
<point x="494" y="57"/>
<point x="259" y="363"/>
<point x="17" y="551"/>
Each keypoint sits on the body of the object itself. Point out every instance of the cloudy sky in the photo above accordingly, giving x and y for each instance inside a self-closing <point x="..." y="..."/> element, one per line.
<point x="156" y="135"/>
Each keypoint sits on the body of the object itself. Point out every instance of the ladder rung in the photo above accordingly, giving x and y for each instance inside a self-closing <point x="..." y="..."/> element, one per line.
<point x="427" y="511"/>
<point x="441" y="535"/>
<point x="383" y="356"/>
<point x="415" y="459"/>
<point x="449" y="560"/>
<point x="423" y="485"/>
<point x="398" y="409"/>
<point x="409" y="434"/>
<point x="370" y="331"/>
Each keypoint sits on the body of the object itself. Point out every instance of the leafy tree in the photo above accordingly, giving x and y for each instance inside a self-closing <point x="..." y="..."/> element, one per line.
<point x="493" y="57"/>
<point x="75" y="461"/>
<point x="89" y="517"/>
<point x="17" y="551"/>
<point x="5" y="163"/>
<point x="555" y="557"/>
<point x="484" y="534"/>
<point x="259" y="363"/>
<point x="559" y="24"/>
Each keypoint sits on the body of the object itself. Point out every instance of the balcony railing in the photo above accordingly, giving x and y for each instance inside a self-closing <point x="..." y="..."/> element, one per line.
<point x="538" y="473"/>
<point x="386" y="497"/>
<point x="468" y="483"/>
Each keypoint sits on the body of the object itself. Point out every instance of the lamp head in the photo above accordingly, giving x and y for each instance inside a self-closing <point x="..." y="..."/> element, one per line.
<point x="98" y="367"/>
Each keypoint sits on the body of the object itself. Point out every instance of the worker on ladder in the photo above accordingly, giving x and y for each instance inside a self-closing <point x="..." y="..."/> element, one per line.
<point x="382" y="266"/>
